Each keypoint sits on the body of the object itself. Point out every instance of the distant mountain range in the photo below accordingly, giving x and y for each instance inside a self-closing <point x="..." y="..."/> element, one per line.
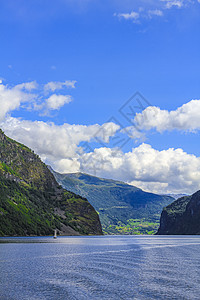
<point x="33" y="203"/>
<point x="123" y="208"/>
<point x="181" y="217"/>
<point x="175" y="196"/>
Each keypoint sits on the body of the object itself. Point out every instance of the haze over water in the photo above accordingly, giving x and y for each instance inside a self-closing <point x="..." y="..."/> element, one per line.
<point x="109" y="267"/>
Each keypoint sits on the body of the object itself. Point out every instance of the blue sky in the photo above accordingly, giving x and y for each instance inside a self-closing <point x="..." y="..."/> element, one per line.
<point x="104" y="52"/>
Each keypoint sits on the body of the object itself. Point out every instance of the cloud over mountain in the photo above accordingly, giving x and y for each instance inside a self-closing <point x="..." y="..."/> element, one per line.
<point x="57" y="145"/>
<point x="171" y="170"/>
<point x="153" y="170"/>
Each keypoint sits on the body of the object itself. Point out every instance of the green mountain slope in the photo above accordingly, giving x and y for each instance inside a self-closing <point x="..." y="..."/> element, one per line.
<point x="33" y="203"/>
<point x="181" y="217"/>
<point x="123" y="209"/>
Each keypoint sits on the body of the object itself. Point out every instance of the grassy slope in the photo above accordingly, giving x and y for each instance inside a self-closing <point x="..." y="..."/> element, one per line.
<point x="123" y="209"/>
<point x="30" y="197"/>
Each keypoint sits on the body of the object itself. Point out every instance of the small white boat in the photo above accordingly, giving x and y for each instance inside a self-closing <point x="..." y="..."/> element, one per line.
<point x="55" y="234"/>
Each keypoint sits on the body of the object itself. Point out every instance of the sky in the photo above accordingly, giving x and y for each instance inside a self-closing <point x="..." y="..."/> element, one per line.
<point x="110" y="88"/>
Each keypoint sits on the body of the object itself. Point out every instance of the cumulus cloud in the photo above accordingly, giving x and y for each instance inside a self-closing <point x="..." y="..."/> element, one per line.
<point x="55" y="102"/>
<point x="58" y="85"/>
<point x="171" y="170"/>
<point x="166" y="171"/>
<point x="12" y="97"/>
<point x="184" y="118"/>
<point x="57" y="145"/>
<point x="32" y="96"/>
<point x="134" y="134"/>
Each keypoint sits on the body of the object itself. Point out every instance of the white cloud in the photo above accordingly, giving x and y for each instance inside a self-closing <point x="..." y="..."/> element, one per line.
<point x="21" y="95"/>
<point x="155" y="12"/>
<point x="57" y="145"/>
<point x="128" y="16"/>
<point x="12" y="97"/>
<point x="171" y="170"/>
<point x="177" y="3"/>
<point x="148" y="9"/>
<point x="167" y="171"/>
<point x="28" y="86"/>
<point x="55" y="102"/>
<point x="184" y="118"/>
<point x="173" y="3"/>
<point x="142" y="14"/>
<point x="58" y="85"/>
<point x="134" y="134"/>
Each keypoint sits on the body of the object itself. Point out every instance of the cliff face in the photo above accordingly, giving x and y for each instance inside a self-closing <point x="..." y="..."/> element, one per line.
<point x="32" y="202"/>
<point x="181" y="217"/>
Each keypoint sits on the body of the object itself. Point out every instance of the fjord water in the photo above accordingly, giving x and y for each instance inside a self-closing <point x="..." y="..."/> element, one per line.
<point x="108" y="267"/>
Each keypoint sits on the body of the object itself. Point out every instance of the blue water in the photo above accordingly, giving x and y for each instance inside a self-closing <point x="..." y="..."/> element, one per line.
<point x="116" y="267"/>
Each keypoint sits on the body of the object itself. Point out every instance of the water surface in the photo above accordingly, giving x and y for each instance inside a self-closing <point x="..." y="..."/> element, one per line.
<point x="109" y="267"/>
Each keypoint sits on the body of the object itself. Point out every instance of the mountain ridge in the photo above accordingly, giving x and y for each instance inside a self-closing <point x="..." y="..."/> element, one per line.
<point x="123" y="208"/>
<point x="31" y="200"/>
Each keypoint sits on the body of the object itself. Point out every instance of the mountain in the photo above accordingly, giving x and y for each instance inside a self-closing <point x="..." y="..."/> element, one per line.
<point x="181" y="217"/>
<point x="175" y="196"/>
<point x="123" y="208"/>
<point x="33" y="203"/>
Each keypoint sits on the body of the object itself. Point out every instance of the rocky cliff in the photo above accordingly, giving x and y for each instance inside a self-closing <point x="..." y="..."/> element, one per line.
<point x="31" y="200"/>
<point x="181" y="217"/>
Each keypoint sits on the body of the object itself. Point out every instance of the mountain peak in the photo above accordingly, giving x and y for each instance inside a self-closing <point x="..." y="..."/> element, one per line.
<point x="31" y="200"/>
<point x="122" y="207"/>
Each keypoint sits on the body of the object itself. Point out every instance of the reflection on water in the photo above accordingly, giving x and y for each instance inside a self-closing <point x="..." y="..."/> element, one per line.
<point x="117" y="267"/>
